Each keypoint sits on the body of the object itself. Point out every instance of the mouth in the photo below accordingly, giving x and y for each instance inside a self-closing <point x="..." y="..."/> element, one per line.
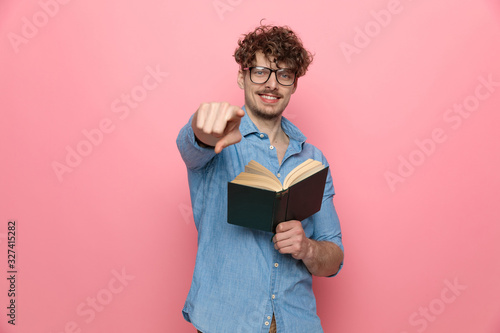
<point x="269" y="98"/>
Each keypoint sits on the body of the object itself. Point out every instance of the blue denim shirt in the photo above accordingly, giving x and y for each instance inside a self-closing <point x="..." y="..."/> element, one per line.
<point x="239" y="279"/>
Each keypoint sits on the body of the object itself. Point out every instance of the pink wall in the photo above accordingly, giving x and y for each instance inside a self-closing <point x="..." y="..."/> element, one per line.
<point x="403" y="98"/>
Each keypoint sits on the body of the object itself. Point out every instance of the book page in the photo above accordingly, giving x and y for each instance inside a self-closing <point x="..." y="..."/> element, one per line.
<point x="297" y="170"/>
<point x="306" y="173"/>
<point x="257" y="180"/>
<point x="302" y="171"/>
<point x="254" y="167"/>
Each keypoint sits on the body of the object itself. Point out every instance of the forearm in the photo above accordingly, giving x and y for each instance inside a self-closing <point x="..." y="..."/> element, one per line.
<point x="323" y="258"/>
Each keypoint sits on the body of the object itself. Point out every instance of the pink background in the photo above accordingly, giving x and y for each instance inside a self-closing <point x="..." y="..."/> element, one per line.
<point x="417" y="183"/>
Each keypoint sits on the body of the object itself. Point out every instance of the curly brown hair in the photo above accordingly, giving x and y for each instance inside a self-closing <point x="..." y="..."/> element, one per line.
<point x="279" y="45"/>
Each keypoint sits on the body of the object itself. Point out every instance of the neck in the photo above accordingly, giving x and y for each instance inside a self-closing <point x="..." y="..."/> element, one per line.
<point x="271" y="127"/>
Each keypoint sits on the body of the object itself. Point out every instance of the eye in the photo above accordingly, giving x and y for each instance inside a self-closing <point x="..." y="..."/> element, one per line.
<point x="286" y="75"/>
<point x="260" y="71"/>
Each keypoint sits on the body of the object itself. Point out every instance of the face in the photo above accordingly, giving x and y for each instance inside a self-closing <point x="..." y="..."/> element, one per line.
<point x="267" y="100"/>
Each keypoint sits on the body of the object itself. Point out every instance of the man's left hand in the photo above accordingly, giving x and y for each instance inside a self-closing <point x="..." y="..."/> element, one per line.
<point x="291" y="239"/>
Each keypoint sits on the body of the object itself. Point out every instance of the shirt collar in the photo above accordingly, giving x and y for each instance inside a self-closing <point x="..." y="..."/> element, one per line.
<point x="248" y="127"/>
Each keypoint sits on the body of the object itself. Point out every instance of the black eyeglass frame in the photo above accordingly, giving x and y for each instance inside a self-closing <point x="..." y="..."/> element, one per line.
<point x="271" y="71"/>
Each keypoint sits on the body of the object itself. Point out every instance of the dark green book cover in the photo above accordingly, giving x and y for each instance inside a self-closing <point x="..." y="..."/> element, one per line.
<point x="262" y="209"/>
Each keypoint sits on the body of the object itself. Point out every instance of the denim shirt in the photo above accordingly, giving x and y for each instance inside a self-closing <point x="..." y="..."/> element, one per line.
<point x="239" y="279"/>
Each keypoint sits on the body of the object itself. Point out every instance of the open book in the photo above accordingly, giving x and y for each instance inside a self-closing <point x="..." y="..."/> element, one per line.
<point x="257" y="199"/>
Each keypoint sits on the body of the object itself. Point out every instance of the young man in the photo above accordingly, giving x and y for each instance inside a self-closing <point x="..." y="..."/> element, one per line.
<point x="242" y="281"/>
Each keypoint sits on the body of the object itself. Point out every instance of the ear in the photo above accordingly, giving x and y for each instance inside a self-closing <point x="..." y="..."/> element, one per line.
<point x="241" y="79"/>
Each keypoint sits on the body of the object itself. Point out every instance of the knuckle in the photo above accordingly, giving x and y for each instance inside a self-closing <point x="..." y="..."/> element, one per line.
<point x="203" y="106"/>
<point x="213" y="107"/>
<point x="223" y="106"/>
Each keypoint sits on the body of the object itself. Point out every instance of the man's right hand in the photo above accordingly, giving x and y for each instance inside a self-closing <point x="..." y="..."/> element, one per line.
<point x="217" y="124"/>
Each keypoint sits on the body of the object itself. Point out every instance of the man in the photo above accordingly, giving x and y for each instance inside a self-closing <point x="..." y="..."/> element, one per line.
<point x="242" y="281"/>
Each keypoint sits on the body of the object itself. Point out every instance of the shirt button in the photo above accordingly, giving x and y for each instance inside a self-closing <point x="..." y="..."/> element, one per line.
<point x="276" y="264"/>
<point x="261" y="135"/>
<point x="267" y="323"/>
<point x="268" y="317"/>
<point x="271" y="147"/>
<point x="279" y="175"/>
<point x="273" y="296"/>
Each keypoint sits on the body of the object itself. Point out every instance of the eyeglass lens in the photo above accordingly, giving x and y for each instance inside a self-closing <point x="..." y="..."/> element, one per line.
<point x="261" y="74"/>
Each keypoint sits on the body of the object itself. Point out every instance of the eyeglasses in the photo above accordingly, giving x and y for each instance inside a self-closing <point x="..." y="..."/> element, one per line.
<point x="260" y="75"/>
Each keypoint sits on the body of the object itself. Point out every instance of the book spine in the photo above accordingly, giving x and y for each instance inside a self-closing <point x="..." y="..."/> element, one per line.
<point x="280" y="207"/>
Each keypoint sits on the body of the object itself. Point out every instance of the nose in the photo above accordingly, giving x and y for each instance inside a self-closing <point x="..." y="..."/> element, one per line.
<point x="272" y="83"/>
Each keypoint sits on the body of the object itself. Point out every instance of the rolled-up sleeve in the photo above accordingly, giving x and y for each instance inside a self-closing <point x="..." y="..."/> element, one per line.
<point x="326" y="221"/>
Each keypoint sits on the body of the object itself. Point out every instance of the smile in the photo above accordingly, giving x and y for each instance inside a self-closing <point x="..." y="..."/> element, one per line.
<point x="269" y="98"/>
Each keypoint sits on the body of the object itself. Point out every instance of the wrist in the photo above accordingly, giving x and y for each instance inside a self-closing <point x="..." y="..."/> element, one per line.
<point x="311" y="247"/>
<point x="201" y="143"/>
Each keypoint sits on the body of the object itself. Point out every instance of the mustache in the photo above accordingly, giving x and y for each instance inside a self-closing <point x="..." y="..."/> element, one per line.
<point x="270" y="92"/>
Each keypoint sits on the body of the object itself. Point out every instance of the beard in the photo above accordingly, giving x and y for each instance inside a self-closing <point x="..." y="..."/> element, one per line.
<point x="261" y="112"/>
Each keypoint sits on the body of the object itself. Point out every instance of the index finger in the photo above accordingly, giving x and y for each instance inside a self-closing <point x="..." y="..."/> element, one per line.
<point x="235" y="113"/>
